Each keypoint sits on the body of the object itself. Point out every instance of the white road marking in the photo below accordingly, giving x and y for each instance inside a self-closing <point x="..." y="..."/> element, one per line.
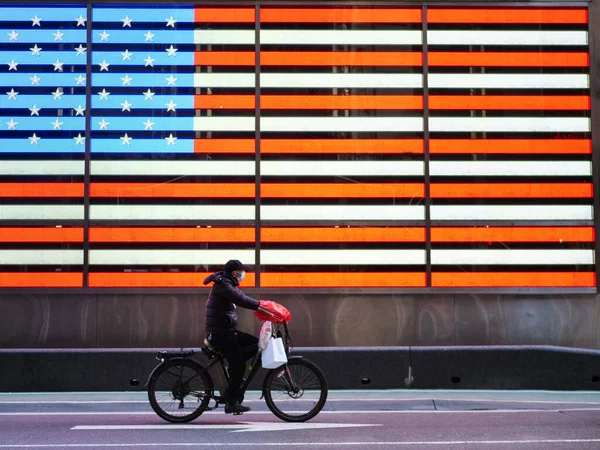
<point x="329" y="400"/>
<point x="241" y="427"/>
<point x="311" y="444"/>
<point x="220" y="412"/>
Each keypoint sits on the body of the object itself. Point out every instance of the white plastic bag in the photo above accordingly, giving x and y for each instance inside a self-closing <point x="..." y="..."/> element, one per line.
<point x="265" y="334"/>
<point x="274" y="355"/>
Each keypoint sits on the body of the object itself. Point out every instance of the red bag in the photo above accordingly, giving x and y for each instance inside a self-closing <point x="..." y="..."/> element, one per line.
<point x="272" y="311"/>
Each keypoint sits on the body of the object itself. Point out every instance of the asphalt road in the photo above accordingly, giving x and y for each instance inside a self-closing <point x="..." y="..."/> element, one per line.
<point x="350" y="420"/>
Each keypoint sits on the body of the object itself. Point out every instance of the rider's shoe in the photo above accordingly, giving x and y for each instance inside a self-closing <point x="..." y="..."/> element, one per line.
<point x="235" y="408"/>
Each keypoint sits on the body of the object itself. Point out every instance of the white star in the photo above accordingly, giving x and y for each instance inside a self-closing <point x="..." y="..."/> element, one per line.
<point x="104" y="94"/>
<point x="58" y="35"/>
<point x="126" y="140"/>
<point x="126" y="81"/>
<point x="80" y="50"/>
<point x="148" y="95"/>
<point x="149" y="61"/>
<point x="36" y="21"/>
<point x="171" y="80"/>
<point x="14" y="36"/>
<point x="127" y="55"/>
<point x="104" y="124"/>
<point x="171" y="139"/>
<point x="148" y="125"/>
<point x="126" y="22"/>
<point x="12" y="65"/>
<point x="81" y="21"/>
<point x="58" y="94"/>
<point x="79" y="139"/>
<point x="149" y="36"/>
<point x="171" y="106"/>
<point x="12" y="94"/>
<point x="35" y="80"/>
<point x="12" y="125"/>
<point x="126" y="106"/>
<point x="79" y="111"/>
<point x="104" y="36"/>
<point x="34" y="139"/>
<point x="35" y="111"/>
<point x="57" y="125"/>
<point x="171" y="22"/>
<point x="171" y="51"/>
<point x="58" y="66"/>
<point x="35" y="50"/>
<point x="80" y="80"/>
<point x="104" y="65"/>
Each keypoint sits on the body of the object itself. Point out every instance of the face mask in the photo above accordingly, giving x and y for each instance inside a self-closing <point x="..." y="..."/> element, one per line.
<point x="242" y="276"/>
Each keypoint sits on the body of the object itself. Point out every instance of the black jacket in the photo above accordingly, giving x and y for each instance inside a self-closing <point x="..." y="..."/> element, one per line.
<point x="220" y="307"/>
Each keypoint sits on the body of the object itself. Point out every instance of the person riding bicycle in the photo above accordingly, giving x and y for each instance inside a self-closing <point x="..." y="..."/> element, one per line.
<point x="220" y="324"/>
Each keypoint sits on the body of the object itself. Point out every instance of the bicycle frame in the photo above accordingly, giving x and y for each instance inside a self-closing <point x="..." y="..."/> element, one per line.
<point x="209" y="366"/>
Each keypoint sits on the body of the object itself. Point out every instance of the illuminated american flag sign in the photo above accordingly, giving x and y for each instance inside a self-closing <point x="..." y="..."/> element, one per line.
<point x="42" y="144"/>
<point x="329" y="147"/>
<point x="172" y="143"/>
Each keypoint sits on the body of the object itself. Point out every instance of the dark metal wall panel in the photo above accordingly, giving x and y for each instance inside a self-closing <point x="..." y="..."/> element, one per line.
<point x="150" y="320"/>
<point x="162" y="321"/>
<point x="526" y="320"/>
<point x="48" y="321"/>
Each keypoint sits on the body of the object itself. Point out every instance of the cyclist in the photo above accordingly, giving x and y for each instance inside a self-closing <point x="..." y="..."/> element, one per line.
<point x="220" y="324"/>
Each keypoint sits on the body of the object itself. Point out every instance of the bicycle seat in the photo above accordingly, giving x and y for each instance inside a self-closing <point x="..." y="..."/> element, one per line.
<point x="210" y="349"/>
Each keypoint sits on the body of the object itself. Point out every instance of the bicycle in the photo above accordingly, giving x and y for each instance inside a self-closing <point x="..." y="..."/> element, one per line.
<point x="182" y="385"/>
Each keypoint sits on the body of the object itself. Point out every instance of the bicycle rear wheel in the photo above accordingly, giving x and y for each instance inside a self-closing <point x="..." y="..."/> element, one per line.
<point x="179" y="391"/>
<point x="296" y="391"/>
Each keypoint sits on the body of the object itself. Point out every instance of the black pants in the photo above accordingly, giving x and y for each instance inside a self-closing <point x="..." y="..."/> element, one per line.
<point x="238" y="348"/>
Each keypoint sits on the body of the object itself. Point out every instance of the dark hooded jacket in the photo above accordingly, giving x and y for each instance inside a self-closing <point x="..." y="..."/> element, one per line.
<point x="222" y="300"/>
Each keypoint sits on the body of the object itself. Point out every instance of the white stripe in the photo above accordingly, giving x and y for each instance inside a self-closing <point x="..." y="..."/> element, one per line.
<point x="341" y="212"/>
<point x="224" y="80"/>
<point x="41" y="212"/>
<point x="41" y="257"/>
<point x="385" y="411"/>
<point x="341" y="80"/>
<point x="42" y="167"/>
<point x="218" y="123"/>
<point x="512" y="257"/>
<point x="224" y="37"/>
<point x="342" y="257"/>
<point x="510" y="168"/>
<point x="200" y="168"/>
<point x="509" y="80"/>
<point x="169" y="257"/>
<point x="341" y="37"/>
<point x="476" y="443"/>
<point x="510" y="124"/>
<point x="506" y="37"/>
<point x="341" y="168"/>
<point x="511" y="212"/>
<point x="332" y="124"/>
<point x="172" y="212"/>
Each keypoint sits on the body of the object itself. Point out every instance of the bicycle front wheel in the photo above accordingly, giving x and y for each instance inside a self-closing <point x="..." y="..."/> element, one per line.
<point x="296" y="391"/>
<point x="180" y="390"/>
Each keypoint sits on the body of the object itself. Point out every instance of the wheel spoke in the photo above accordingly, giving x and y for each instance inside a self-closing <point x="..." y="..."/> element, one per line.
<point x="299" y="394"/>
<point x="179" y="392"/>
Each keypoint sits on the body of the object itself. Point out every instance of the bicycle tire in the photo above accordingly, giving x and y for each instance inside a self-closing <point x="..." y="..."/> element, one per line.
<point x="311" y="389"/>
<point x="173" y="383"/>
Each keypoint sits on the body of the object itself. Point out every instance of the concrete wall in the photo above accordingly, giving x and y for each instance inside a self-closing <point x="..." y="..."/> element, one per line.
<point x="169" y="320"/>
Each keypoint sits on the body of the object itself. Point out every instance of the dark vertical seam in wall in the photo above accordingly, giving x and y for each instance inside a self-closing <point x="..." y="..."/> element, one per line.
<point x="594" y="22"/>
<point x="257" y="143"/>
<point x="426" y="151"/>
<point x="88" y="121"/>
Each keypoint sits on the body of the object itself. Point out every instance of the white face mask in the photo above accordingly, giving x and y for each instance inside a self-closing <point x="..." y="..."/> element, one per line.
<point x="242" y="276"/>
